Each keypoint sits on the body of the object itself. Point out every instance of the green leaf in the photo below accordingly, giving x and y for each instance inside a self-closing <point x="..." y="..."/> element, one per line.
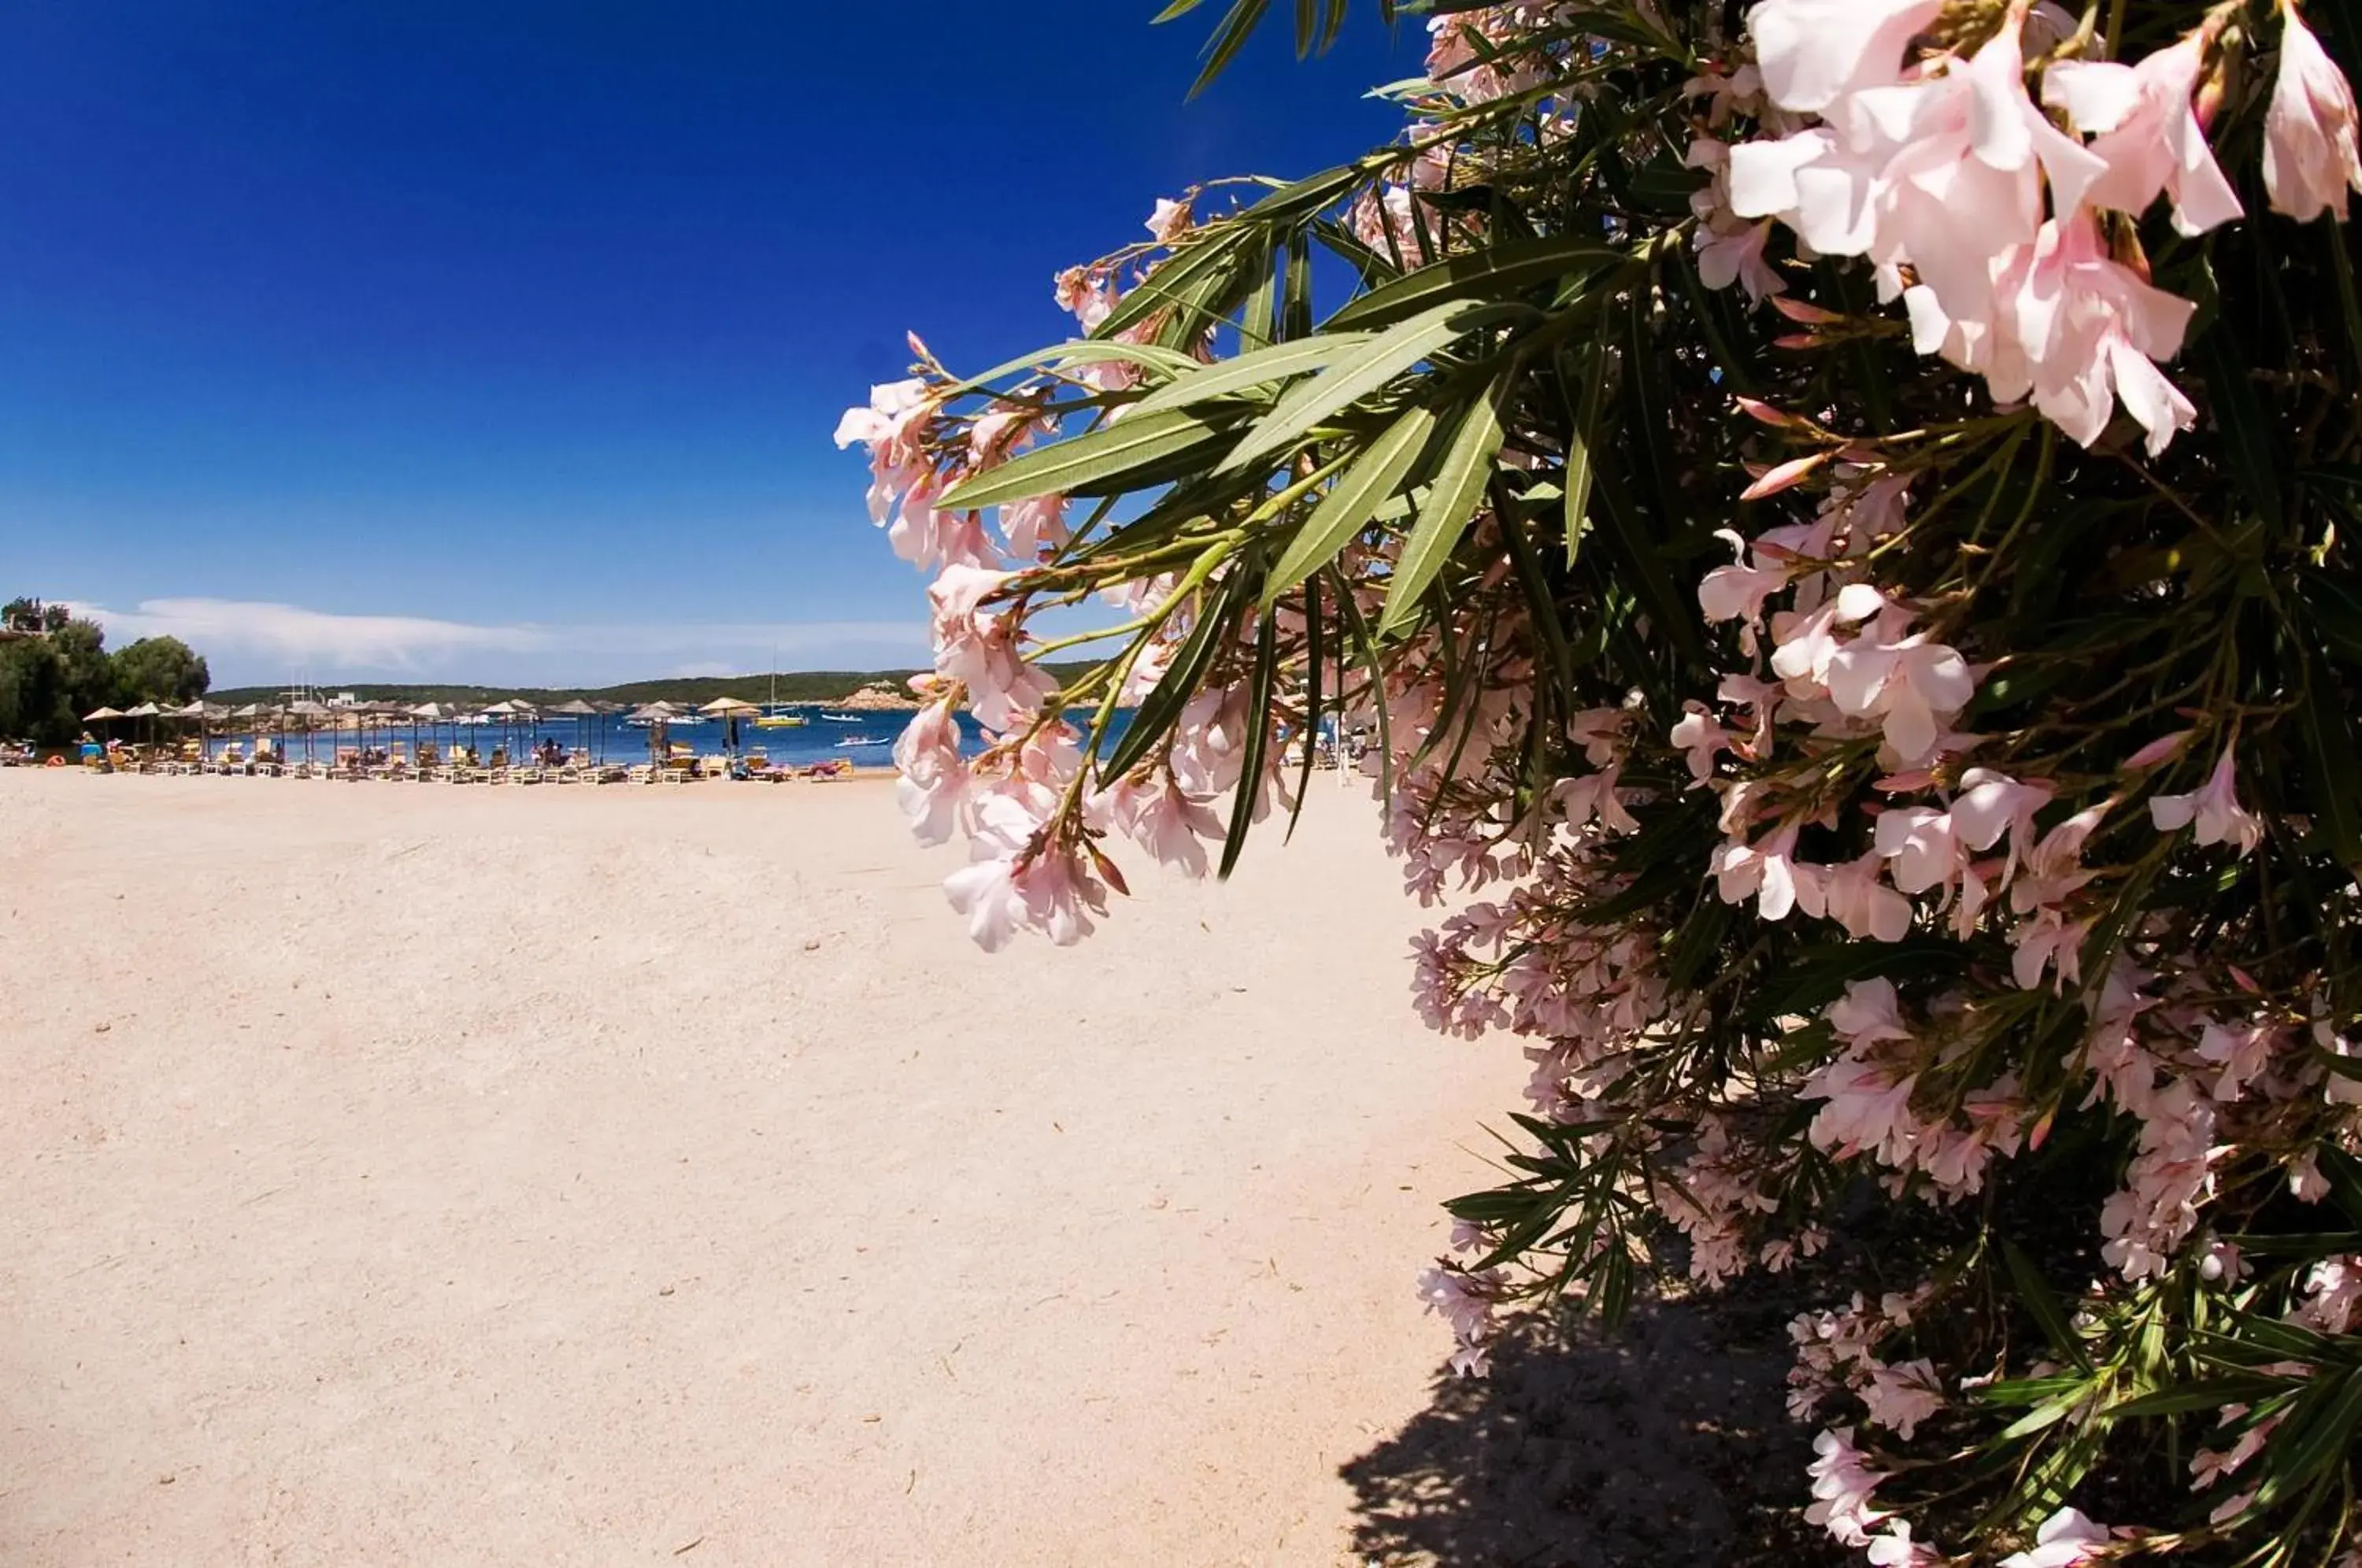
<point x="1628" y="532"/>
<point x="1234" y="30"/>
<point x="1258" y="739"/>
<point x="1353" y="376"/>
<point x="1496" y="272"/>
<point x="1096" y="457"/>
<point x="1260" y="367"/>
<point x="2247" y="436"/>
<point x="1579" y="438"/>
<point x="1353" y="500"/>
<point x="2321" y="1430"/>
<point x="1313" y="634"/>
<point x="2035" y="1293"/>
<point x="1162" y="707"/>
<point x="1203" y="261"/>
<point x="1452" y="501"/>
<point x="2212" y="1395"/>
<point x="2335" y="774"/>
<point x="1148" y="356"/>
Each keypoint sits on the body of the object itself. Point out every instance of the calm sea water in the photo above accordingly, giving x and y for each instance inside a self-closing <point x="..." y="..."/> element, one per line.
<point x="867" y="741"/>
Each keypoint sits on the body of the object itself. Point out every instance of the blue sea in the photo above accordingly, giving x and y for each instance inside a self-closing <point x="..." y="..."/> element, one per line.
<point x="867" y="741"/>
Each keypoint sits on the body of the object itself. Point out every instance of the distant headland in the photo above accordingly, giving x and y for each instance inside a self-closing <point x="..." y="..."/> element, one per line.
<point x="876" y="689"/>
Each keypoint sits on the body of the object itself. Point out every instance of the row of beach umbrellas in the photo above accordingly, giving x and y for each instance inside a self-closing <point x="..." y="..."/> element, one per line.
<point x="510" y="713"/>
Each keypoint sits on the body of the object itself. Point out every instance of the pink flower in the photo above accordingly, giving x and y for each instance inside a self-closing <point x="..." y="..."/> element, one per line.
<point x="1901" y="1397"/>
<point x="1894" y="1548"/>
<point x="1700" y="735"/>
<point x="1015" y="880"/>
<point x="1842" y="1482"/>
<point x="1033" y="524"/>
<point x="1807" y="639"/>
<point x="934" y="775"/>
<point x="1770" y="874"/>
<point x="980" y="650"/>
<point x="1922" y="843"/>
<point x="2089" y="330"/>
<point x="1737" y="591"/>
<point x="1158" y="817"/>
<point x="2048" y="939"/>
<point x="2214" y="807"/>
<point x="1170" y="221"/>
<point x="1913" y="687"/>
<point x="1465" y="1301"/>
<point x="1868" y="1013"/>
<point x="1809" y="52"/>
<point x="1865" y="906"/>
<point x="1731" y="252"/>
<point x="2065" y="1540"/>
<point x="893" y="427"/>
<point x="2310" y="154"/>
<point x="2147" y="133"/>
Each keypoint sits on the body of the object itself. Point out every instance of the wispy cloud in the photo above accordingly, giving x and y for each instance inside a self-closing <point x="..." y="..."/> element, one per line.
<point x="249" y="641"/>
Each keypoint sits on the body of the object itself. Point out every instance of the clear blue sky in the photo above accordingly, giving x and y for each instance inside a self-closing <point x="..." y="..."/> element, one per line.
<point x="505" y="341"/>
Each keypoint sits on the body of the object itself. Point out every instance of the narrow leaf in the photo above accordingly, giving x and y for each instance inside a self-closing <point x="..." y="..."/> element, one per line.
<point x="1496" y="272"/>
<point x="1258" y="738"/>
<point x="1579" y="438"/>
<point x="1353" y="500"/>
<point x="1095" y="457"/>
<point x="1351" y="378"/>
<point x="1260" y="367"/>
<point x="1452" y="501"/>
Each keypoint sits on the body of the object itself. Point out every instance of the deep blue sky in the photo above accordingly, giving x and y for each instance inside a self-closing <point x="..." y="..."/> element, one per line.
<point x="543" y="313"/>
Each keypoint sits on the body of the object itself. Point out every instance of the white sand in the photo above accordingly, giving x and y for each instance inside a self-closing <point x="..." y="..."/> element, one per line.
<point x="416" y="1173"/>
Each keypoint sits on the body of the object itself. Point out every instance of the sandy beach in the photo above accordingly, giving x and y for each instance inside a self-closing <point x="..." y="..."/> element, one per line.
<point x="415" y="1174"/>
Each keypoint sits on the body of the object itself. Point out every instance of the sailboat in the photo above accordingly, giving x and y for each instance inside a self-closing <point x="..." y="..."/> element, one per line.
<point x="775" y="717"/>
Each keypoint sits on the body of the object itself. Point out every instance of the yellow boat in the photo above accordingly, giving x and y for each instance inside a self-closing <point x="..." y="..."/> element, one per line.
<point x="781" y="722"/>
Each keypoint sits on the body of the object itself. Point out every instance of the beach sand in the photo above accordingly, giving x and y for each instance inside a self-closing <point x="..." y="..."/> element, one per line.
<point x="418" y="1174"/>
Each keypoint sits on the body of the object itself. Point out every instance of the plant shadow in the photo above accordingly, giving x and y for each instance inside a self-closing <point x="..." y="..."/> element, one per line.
<point x="1666" y="1444"/>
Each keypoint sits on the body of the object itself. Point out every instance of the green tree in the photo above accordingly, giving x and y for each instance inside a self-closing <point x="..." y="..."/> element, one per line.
<point x="32" y="695"/>
<point x="85" y="675"/>
<point x="159" y="670"/>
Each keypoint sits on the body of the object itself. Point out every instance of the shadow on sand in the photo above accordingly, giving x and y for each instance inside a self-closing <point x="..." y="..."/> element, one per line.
<point x="1666" y="1444"/>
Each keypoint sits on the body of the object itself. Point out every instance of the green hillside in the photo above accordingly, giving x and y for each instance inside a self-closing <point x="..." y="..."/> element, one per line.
<point x="815" y="686"/>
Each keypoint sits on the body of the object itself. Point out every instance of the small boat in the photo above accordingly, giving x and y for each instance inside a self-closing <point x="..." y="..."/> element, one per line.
<point x="775" y="717"/>
<point x="841" y="718"/>
<point x="850" y="741"/>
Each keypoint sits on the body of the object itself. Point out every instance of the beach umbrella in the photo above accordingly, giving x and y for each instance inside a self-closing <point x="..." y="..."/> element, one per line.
<point x="581" y="713"/>
<point x="431" y="715"/>
<point x="729" y="709"/>
<point x="145" y="711"/>
<point x="101" y="715"/>
<point x="307" y="711"/>
<point x="193" y="709"/>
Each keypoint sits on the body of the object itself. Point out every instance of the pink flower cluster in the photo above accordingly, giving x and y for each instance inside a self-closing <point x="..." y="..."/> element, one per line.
<point x="1981" y="214"/>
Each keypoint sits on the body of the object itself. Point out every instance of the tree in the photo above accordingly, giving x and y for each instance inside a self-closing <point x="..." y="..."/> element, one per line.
<point x="86" y="673"/>
<point x="31" y="696"/>
<point x="159" y="670"/>
<point x="1844" y="534"/>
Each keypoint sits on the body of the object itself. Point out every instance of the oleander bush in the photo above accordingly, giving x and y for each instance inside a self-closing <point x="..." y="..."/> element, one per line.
<point x="1834" y="514"/>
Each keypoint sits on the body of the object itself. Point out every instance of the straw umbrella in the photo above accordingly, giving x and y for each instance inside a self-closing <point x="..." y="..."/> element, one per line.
<point x="431" y="715"/>
<point x="582" y="712"/>
<point x="307" y="711"/>
<point x="195" y="709"/>
<point x="729" y="709"/>
<point x="147" y="711"/>
<point x="102" y="715"/>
